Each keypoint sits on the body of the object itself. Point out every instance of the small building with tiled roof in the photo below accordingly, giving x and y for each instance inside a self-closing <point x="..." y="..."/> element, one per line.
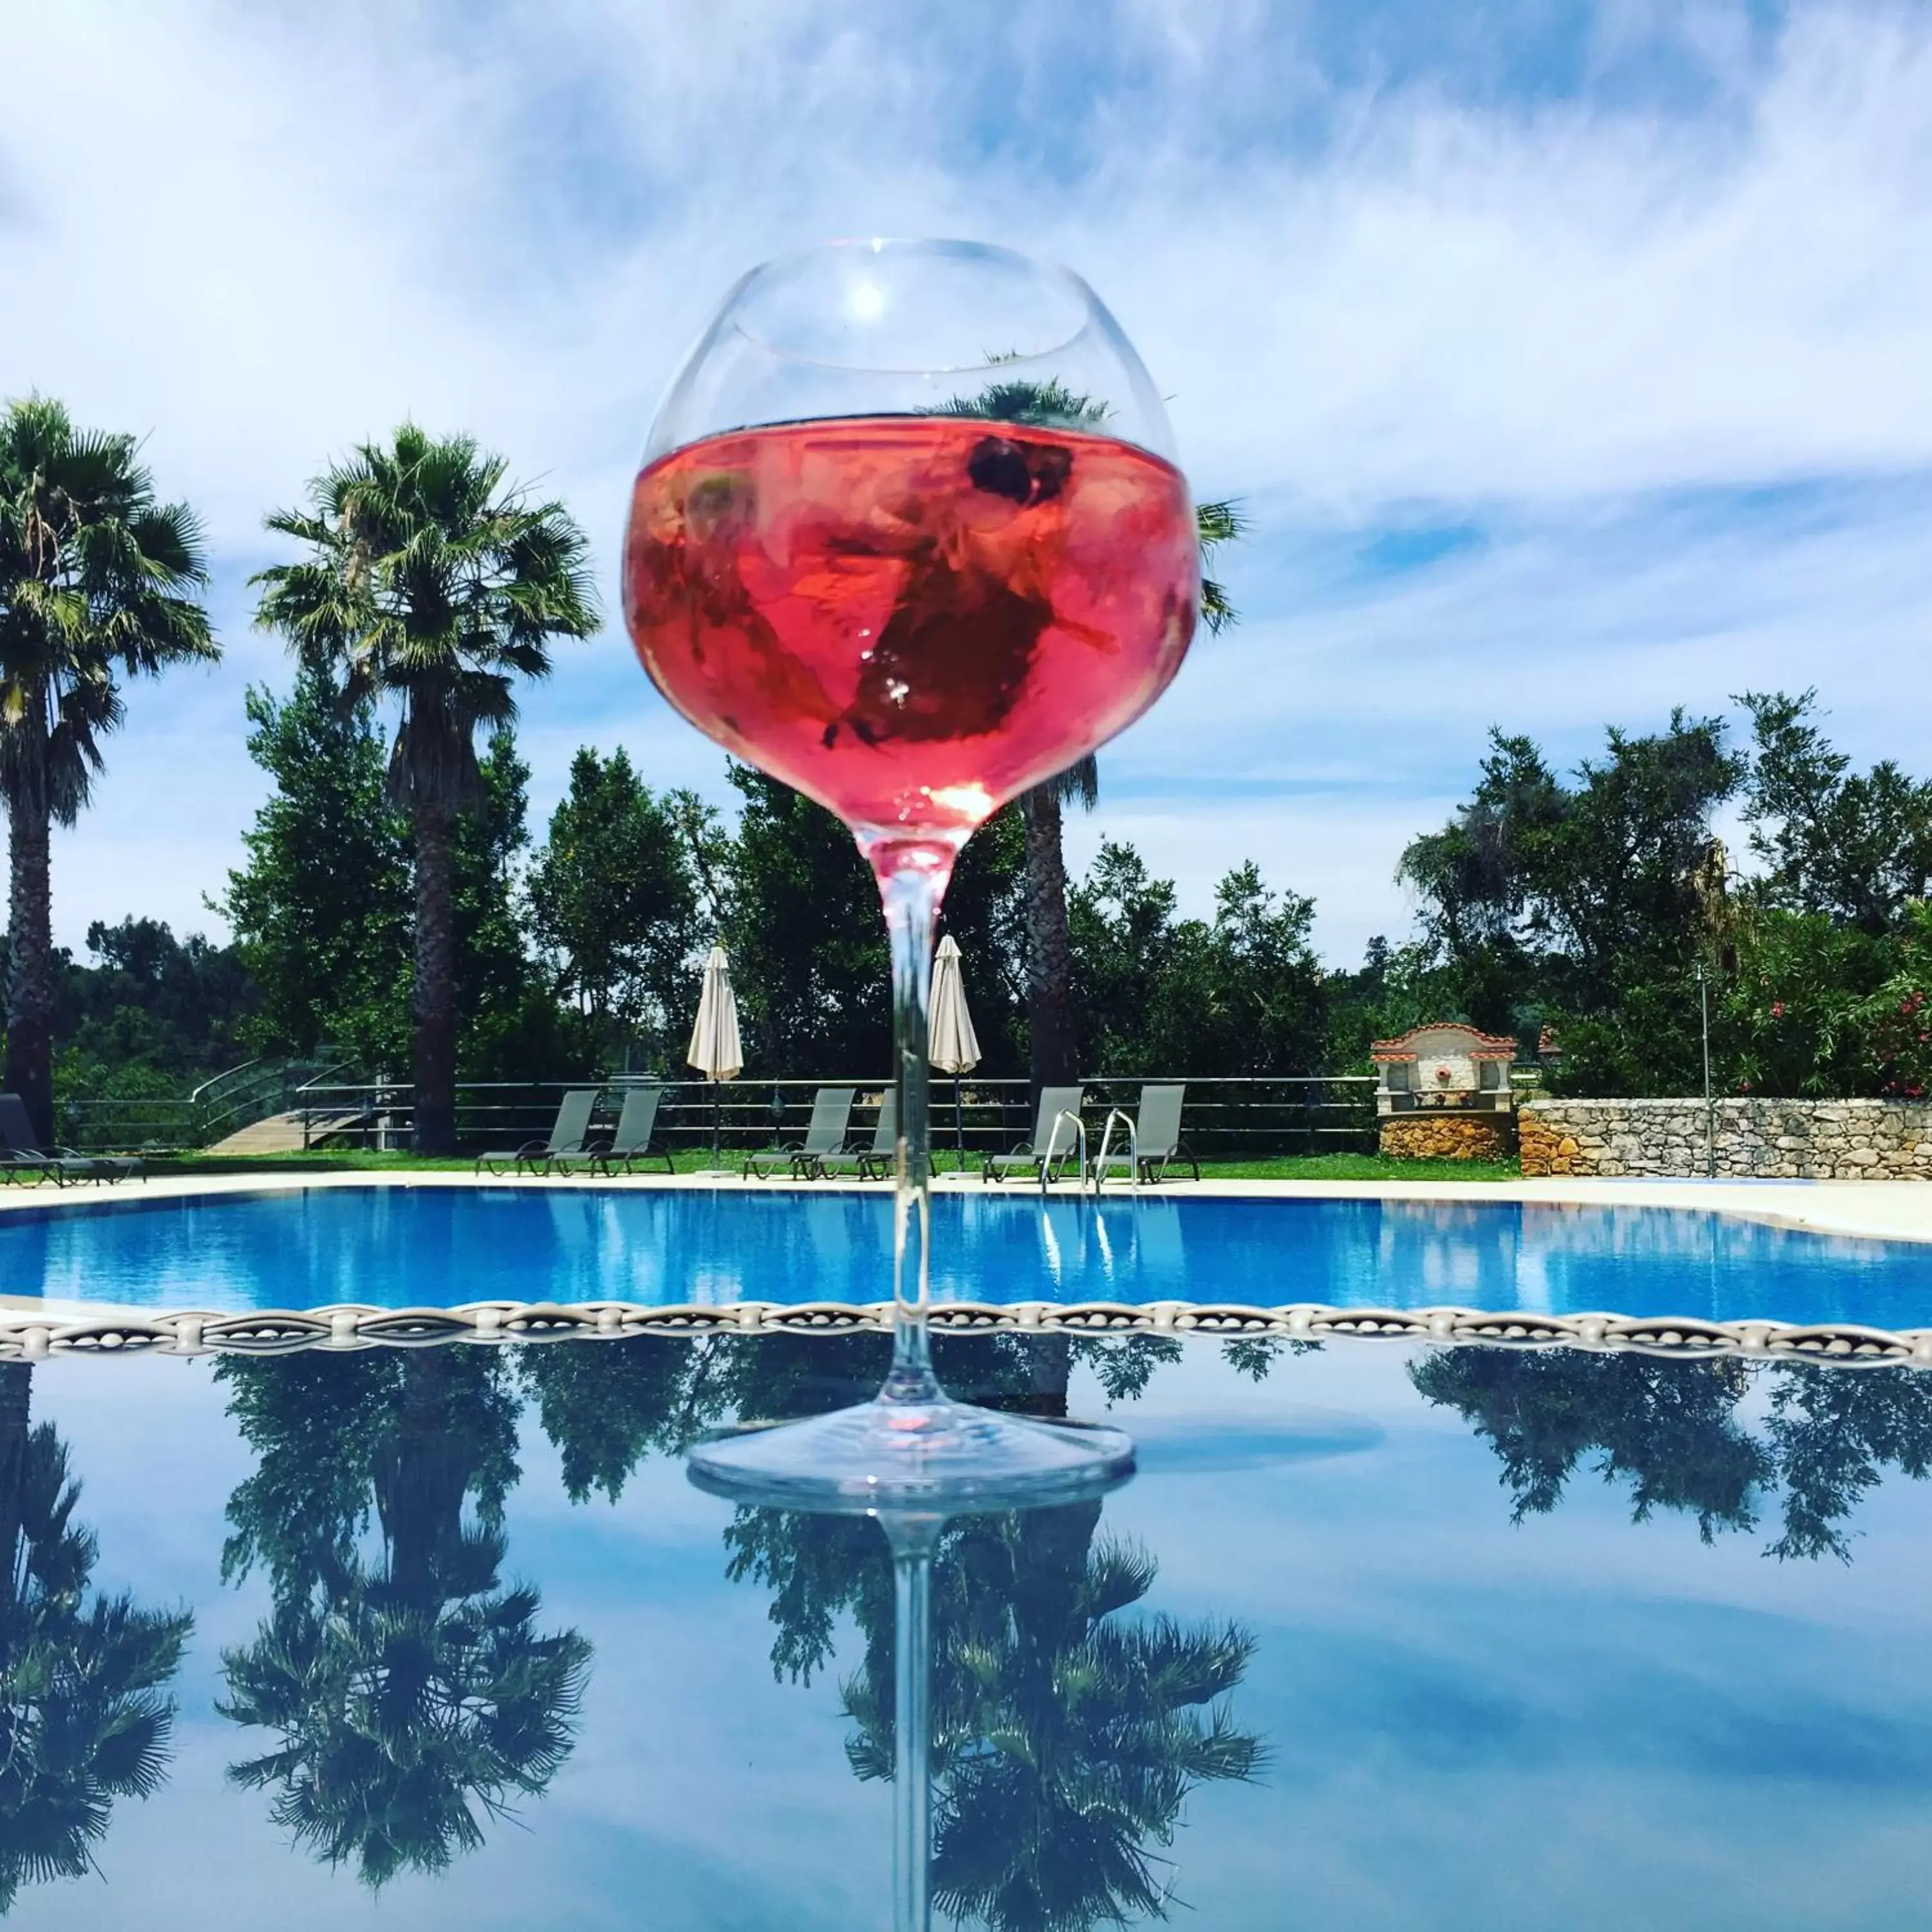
<point x="1445" y="1064"/>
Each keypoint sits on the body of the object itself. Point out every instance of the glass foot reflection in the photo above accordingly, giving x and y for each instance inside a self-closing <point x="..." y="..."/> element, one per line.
<point x="935" y="1455"/>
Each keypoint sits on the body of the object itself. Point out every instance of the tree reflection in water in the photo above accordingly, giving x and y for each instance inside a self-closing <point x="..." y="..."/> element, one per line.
<point x="1067" y="1735"/>
<point x="413" y="1695"/>
<point x="84" y="1716"/>
<point x="1722" y="1441"/>
<point x="606" y="1405"/>
<point x="412" y="1690"/>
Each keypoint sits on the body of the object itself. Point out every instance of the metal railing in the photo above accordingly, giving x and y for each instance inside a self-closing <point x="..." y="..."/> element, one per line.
<point x="1227" y="1118"/>
<point x="159" y="1124"/>
<point x="1051" y="1157"/>
<point x="1101" y="1164"/>
<point x="175" y="1122"/>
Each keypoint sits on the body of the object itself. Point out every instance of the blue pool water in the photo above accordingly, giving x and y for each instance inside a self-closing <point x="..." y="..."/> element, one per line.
<point x="393" y="1247"/>
<point x="1520" y="1642"/>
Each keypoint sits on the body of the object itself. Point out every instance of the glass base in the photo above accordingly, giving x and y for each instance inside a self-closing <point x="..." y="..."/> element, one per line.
<point x="937" y="1457"/>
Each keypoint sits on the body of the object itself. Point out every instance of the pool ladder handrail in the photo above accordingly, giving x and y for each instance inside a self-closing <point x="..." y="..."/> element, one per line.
<point x="1133" y="1149"/>
<point x="1053" y="1145"/>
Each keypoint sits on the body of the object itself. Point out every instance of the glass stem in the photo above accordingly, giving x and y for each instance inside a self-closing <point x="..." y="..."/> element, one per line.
<point x="912" y="876"/>
<point x="912" y="1539"/>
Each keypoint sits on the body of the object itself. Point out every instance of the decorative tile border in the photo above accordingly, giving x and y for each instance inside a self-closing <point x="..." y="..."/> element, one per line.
<point x="24" y="1336"/>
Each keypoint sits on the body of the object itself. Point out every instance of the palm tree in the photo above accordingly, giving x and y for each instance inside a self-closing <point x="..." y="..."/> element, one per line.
<point x="1065" y="1743"/>
<point x="429" y="583"/>
<point x="411" y="1692"/>
<point x="96" y="582"/>
<point x="84" y="1716"/>
<point x="1052" y="1022"/>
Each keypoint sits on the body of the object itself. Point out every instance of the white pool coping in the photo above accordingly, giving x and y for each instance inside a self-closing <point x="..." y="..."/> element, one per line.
<point x="1899" y="1211"/>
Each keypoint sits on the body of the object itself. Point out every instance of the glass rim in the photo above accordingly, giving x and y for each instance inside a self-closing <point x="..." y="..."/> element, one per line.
<point x="1069" y="282"/>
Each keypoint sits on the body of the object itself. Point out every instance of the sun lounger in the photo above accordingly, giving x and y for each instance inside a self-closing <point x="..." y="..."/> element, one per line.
<point x="568" y="1135"/>
<point x="872" y="1163"/>
<point x="831" y="1116"/>
<point x="20" y="1153"/>
<point x="1156" y="1137"/>
<point x="637" y="1127"/>
<point x="1054" y="1142"/>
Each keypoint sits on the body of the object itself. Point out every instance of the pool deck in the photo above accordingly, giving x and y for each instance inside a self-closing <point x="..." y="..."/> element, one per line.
<point x="1899" y="1211"/>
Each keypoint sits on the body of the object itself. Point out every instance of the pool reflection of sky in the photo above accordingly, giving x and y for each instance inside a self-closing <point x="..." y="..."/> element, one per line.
<point x="393" y="1246"/>
<point x="1580" y="1720"/>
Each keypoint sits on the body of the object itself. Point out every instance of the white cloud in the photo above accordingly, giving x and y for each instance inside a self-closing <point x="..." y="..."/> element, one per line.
<point x="1478" y="305"/>
<point x="1368" y="287"/>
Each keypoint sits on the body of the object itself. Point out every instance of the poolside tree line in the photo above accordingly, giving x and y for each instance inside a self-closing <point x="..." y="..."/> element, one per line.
<point x="1594" y="904"/>
<point x="578" y="948"/>
<point x="1588" y="904"/>
<point x="394" y="906"/>
<point x="386" y="877"/>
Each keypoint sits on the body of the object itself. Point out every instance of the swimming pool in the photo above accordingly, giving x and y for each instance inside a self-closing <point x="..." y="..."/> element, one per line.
<point x="395" y="1246"/>
<point x="1485" y="1639"/>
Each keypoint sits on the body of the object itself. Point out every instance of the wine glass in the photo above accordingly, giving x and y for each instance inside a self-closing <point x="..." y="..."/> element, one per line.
<point x="909" y="536"/>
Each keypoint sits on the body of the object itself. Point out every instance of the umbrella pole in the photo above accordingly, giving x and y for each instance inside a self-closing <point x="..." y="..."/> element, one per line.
<point x="959" y="1123"/>
<point x="717" y="1119"/>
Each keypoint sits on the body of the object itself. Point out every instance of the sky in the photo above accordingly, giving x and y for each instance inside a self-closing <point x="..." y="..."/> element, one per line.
<point x="1570" y="360"/>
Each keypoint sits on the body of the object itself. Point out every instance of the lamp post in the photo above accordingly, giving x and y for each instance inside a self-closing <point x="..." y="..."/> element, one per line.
<point x="1710" y="1125"/>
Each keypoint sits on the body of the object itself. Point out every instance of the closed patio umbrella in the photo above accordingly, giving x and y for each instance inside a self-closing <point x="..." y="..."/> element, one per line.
<point x="716" y="1049"/>
<point x="952" y="1044"/>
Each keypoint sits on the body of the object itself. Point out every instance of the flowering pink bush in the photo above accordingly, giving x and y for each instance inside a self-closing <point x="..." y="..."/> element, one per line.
<point x="1900" y="1028"/>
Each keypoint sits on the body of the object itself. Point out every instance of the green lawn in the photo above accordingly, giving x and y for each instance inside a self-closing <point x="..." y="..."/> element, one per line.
<point x="1288" y="1167"/>
<point x="1356" y="1167"/>
<point x="338" y="1160"/>
<point x="330" y="1160"/>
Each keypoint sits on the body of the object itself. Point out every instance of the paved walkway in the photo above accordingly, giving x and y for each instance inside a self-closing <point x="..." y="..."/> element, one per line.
<point x="1895" y="1210"/>
<point x="287" y="1133"/>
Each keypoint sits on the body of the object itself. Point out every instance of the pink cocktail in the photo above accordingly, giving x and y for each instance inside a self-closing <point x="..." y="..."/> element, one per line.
<point x="911" y="620"/>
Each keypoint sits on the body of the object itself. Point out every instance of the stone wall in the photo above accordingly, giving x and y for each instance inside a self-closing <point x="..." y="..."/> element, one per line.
<point x="1428" y="1135"/>
<point x="1809" y="1140"/>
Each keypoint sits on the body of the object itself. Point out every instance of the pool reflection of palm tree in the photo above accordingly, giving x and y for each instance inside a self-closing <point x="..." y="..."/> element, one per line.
<point x="816" y="1572"/>
<point x="1677" y="1433"/>
<point x="1066" y="1737"/>
<point x="411" y="1690"/>
<point x="85" y="1716"/>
